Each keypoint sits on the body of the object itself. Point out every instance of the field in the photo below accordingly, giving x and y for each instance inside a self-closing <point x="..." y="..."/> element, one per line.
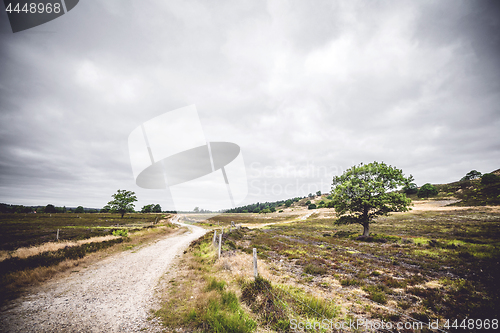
<point x="439" y="266"/>
<point x="30" y="253"/>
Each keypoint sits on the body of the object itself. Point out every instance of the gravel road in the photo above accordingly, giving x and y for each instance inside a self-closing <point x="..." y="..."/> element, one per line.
<point x="113" y="295"/>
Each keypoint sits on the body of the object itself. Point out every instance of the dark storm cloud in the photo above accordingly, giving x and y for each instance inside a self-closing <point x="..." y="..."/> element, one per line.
<point x="305" y="89"/>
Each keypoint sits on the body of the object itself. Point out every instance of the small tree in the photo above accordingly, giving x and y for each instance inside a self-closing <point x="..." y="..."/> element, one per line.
<point x="471" y="175"/>
<point x="157" y="208"/>
<point x="311" y="206"/>
<point x="147" y="209"/>
<point x="318" y="193"/>
<point x="288" y="203"/>
<point x="427" y="190"/>
<point x="412" y="188"/>
<point x="79" y="209"/>
<point x="122" y="202"/>
<point x="50" y="209"/>
<point x="366" y="191"/>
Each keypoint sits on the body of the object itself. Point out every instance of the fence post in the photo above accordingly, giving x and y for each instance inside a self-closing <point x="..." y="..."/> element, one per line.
<point x="215" y="235"/>
<point x="57" y="236"/>
<point x="220" y="243"/>
<point x="255" y="271"/>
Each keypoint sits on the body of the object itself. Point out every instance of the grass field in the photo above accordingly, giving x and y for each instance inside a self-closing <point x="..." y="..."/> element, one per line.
<point x="30" y="254"/>
<point x="416" y="266"/>
<point x="24" y="230"/>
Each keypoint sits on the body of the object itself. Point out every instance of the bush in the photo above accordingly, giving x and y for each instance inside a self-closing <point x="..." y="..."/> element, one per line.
<point x="427" y="190"/>
<point x="311" y="206"/>
<point x="412" y="188"/>
<point x="314" y="270"/>
<point x="120" y="232"/>
<point x="489" y="178"/>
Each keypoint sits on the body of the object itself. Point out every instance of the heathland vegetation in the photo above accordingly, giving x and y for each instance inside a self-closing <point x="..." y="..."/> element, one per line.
<point x="434" y="263"/>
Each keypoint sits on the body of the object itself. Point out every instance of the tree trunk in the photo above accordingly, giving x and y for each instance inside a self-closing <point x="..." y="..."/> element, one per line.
<point x="366" y="229"/>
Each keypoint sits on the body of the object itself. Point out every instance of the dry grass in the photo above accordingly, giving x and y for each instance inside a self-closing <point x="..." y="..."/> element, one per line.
<point x="25" y="252"/>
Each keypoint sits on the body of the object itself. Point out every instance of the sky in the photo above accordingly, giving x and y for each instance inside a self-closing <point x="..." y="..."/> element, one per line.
<point x="305" y="89"/>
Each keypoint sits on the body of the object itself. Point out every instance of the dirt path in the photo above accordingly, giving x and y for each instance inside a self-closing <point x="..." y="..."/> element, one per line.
<point x="114" y="295"/>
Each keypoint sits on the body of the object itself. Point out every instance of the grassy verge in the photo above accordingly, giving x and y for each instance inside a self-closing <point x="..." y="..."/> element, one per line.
<point x="19" y="272"/>
<point x="220" y="295"/>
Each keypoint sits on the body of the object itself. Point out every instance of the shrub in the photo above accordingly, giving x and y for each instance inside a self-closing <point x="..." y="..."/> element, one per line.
<point x="314" y="269"/>
<point x="412" y="188"/>
<point x="427" y="190"/>
<point x="311" y="206"/>
<point x="489" y="178"/>
<point x="120" y="232"/>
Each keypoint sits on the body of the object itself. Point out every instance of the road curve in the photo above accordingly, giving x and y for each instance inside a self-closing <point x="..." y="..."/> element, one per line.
<point x="113" y="295"/>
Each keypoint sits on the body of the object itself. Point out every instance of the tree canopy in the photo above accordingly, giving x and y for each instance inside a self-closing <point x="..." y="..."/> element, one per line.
<point x="369" y="190"/>
<point x="471" y="175"/>
<point x="427" y="190"/>
<point x="122" y="202"/>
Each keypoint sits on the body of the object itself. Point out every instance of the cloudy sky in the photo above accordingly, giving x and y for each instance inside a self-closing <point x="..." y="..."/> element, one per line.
<point x="305" y="88"/>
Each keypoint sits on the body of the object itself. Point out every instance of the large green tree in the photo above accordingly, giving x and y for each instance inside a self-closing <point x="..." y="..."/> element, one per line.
<point x="369" y="190"/>
<point x="122" y="202"/>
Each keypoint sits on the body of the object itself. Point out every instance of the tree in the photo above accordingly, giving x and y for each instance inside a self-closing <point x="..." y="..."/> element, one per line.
<point x="471" y="175"/>
<point x="311" y="206"/>
<point x="157" y="208"/>
<point x="196" y="209"/>
<point x="50" y="209"/>
<point x="366" y="191"/>
<point x="147" y="209"/>
<point x="427" y="190"/>
<point x="412" y="188"/>
<point x="288" y="203"/>
<point x="79" y="209"/>
<point x="122" y="202"/>
<point x="318" y="193"/>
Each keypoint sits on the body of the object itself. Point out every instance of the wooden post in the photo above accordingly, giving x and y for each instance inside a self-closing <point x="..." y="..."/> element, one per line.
<point x="57" y="236"/>
<point x="220" y="243"/>
<point x="255" y="271"/>
<point x="156" y="221"/>
<point x="215" y="235"/>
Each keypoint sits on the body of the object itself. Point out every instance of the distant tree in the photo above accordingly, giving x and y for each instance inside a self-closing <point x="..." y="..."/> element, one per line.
<point x="50" y="209"/>
<point x="318" y="193"/>
<point x="105" y="209"/>
<point x="489" y="178"/>
<point x="288" y="203"/>
<point x="265" y="210"/>
<point x="147" y="209"/>
<point x="245" y="211"/>
<point x="256" y="210"/>
<point x="79" y="209"/>
<point x="471" y="175"/>
<point x="311" y="206"/>
<point x="368" y="190"/>
<point x="427" y="190"/>
<point x="412" y="188"/>
<point x="196" y="209"/>
<point x="308" y="202"/>
<point x="157" y="208"/>
<point x="310" y="195"/>
<point x="272" y="209"/>
<point x="122" y="202"/>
